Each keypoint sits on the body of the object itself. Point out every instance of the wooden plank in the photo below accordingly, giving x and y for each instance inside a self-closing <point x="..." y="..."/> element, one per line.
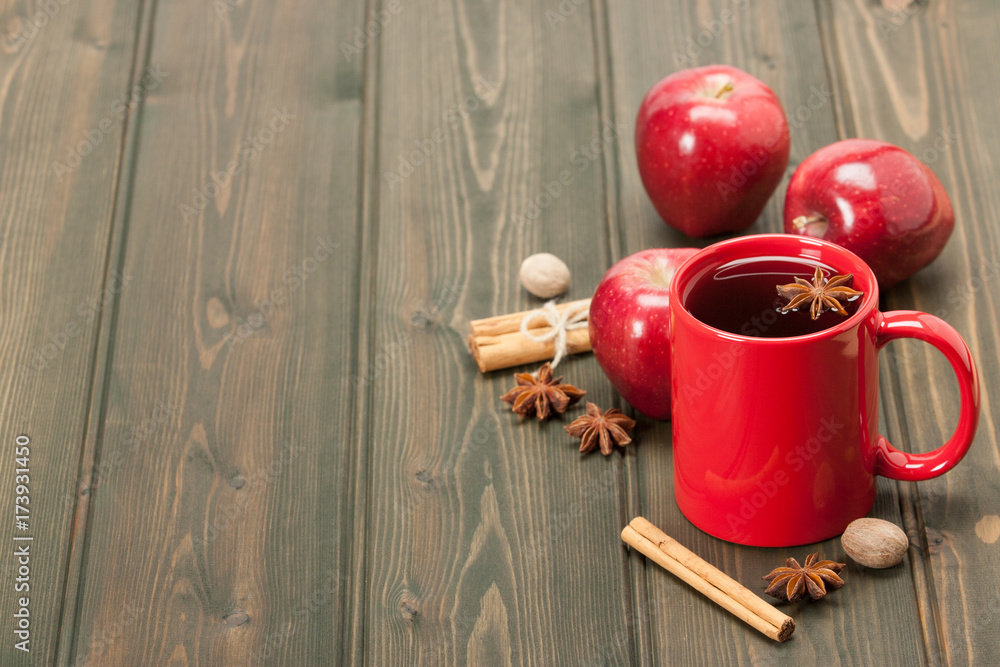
<point x="216" y="532"/>
<point x="490" y="541"/>
<point x="639" y="622"/>
<point x="920" y="87"/>
<point x="780" y="44"/>
<point x="64" y="109"/>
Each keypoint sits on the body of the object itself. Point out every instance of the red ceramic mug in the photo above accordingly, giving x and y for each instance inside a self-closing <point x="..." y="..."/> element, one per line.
<point x="775" y="440"/>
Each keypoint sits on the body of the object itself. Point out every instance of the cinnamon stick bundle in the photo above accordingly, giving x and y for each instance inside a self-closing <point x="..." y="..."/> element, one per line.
<point x="497" y="342"/>
<point x="708" y="580"/>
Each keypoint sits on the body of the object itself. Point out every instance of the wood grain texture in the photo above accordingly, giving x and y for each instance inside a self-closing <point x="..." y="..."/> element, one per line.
<point x="920" y="87"/>
<point x="214" y="535"/>
<point x="271" y="446"/>
<point x="491" y="541"/>
<point x="62" y="67"/>
<point x="780" y="44"/>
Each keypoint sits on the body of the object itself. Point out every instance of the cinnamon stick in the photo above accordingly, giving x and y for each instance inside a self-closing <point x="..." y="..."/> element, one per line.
<point x="501" y="324"/>
<point x="507" y="350"/>
<point x="707" y="579"/>
<point x="497" y="342"/>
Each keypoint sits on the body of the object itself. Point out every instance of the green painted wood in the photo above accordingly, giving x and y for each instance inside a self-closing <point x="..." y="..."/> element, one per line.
<point x="216" y="532"/>
<point x="234" y="508"/>
<point x="920" y="86"/>
<point x="489" y="541"/>
<point x="780" y="44"/>
<point x="64" y="89"/>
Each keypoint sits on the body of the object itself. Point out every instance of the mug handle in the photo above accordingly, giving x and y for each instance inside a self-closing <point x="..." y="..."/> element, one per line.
<point x="893" y="463"/>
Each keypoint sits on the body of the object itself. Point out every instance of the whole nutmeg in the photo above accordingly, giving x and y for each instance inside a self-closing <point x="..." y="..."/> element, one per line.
<point x="544" y="275"/>
<point x="875" y="543"/>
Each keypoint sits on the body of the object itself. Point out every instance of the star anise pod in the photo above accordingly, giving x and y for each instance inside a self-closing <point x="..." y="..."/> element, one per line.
<point x="541" y="395"/>
<point x="794" y="581"/>
<point x="607" y="430"/>
<point x="821" y="294"/>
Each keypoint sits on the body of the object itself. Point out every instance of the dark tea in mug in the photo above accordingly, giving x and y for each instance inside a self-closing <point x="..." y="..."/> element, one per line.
<point x="741" y="297"/>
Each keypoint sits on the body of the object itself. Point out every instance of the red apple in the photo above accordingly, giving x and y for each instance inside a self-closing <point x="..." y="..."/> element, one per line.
<point x="712" y="145"/>
<point x="876" y="200"/>
<point x="630" y="327"/>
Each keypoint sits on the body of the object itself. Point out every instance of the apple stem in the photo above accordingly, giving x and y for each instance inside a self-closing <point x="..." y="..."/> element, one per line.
<point x="728" y="88"/>
<point x="804" y="221"/>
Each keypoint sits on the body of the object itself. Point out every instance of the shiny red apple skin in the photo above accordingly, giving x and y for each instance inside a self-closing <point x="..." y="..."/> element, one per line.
<point x="709" y="164"/>
<point x="877" y="200"/>
<point x="630" y="327"/>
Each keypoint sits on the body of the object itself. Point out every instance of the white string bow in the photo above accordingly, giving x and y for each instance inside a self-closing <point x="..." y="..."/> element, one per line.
<point x="568" y="320"/>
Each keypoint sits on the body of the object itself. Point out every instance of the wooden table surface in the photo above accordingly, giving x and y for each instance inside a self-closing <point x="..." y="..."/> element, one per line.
<point x="241" y="243"/>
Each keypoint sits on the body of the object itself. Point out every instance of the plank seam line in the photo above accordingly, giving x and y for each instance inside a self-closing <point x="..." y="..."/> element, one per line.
<point x="104" y="339"/>
<point x="831" y="66"/>
<point x="910" y="503"/>
<point x="355" y="607"/>
<point x="610" y="164"/>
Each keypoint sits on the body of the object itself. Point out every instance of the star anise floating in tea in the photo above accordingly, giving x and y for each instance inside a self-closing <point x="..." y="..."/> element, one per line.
<point x="605" y="429"/>
<point x="793" y="582"/>
<point x="821" y="294"/>
<point x="541" y="395"/>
